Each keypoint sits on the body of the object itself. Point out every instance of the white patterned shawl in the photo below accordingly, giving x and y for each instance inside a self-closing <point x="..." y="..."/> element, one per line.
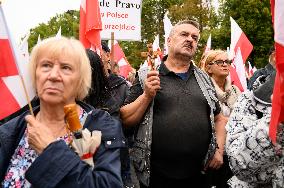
<point x="253" y="158"/>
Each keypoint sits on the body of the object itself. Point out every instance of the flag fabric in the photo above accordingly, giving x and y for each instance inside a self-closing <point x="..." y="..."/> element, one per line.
<point x="167" y="28"/>
<point x="90" y="24"/>
<point x="58" y="34"/>
<point x="120" y="59"/>
<point x="250" y="70"/>
<point x="8" y="66"/>
<point x="208" y="44"/>
<point x="12" y="95"/>
<point x="24" y="47"/>
<point x="240" y="70"/>
<point x="38" y="39"/>
<point x="277" y="114"/>
<point x="157" y="49"/>
<point x="239" y="41"/>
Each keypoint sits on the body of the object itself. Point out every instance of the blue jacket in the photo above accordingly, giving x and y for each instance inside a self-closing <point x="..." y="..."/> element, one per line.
<point x="58" y="165"/>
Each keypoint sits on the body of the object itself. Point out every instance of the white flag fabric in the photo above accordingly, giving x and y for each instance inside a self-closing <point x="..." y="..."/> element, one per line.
<point x="58" y="35"/>
<point x="38" y="39"/>
<point x="13" y="66"/>
<point x="24" y="47"/>
<point x="167" y="28"/>
<point x="240" y="68"/>
<point x="208" y="44"/>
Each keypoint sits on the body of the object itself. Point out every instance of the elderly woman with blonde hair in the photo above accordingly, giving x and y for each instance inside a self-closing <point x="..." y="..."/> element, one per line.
<point x="216" y="64"/>
<point x="35" y="150"/>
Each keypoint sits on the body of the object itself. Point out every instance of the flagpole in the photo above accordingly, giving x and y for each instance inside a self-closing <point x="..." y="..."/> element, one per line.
<point x="112" y="51"/>
<point x="16" y="61"/>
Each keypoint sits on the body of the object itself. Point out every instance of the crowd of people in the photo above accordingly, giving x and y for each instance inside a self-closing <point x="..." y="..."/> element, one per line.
<point x="174" y="125"/>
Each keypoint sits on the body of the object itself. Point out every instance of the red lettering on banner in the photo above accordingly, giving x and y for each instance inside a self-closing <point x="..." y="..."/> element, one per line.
<point x="116" y="15"/>
<point x="120" y="27"/>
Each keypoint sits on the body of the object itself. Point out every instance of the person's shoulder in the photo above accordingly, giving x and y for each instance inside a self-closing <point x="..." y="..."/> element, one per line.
<point x="115" y="80"/>
<point x="101" y="120"/>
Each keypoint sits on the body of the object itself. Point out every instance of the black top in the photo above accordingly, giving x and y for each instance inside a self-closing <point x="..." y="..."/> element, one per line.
<point x="181" y="124"/>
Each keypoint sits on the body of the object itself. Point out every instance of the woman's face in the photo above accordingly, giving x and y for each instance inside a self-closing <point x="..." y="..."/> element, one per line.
<point x="57" y="79"/>
<point x="219" y="66"/>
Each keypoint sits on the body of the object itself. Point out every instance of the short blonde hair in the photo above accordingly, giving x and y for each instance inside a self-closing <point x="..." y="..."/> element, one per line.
<point x="55" y="47"/>
<point x="208" y="57"/>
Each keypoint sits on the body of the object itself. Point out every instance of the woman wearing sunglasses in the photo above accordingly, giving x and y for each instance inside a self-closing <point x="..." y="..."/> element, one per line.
<point x="217" y="65"/>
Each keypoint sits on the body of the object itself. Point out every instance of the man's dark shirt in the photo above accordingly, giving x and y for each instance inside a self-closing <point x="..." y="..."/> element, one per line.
<point x="181" y="124"/>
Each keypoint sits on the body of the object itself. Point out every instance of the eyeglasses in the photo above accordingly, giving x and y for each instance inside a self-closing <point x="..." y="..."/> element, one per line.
<point x="221" y="62"/>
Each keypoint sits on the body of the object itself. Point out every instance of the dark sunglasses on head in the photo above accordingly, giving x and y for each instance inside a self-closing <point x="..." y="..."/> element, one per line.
<point x="221" y="62"/>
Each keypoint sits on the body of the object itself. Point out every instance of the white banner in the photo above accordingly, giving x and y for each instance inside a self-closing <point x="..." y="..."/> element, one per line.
<point x="123" y="17"/>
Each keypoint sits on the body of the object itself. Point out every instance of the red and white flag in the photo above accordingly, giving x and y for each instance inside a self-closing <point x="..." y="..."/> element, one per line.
<point x="239" y="41"/>
<point x="157" y="49"/>
<point x="277" y="115"/>
<point x="167" y="28"/>
<point x="208" y="44"/>
<point x="90" y="25"/>
<point x="58" y="34"/>
<point x="24" y="47"/>
<point x="250" y="70"/>
<point x="240" y="70"/>
<point x="13" y="66"/>
<point x="120" y="59"/>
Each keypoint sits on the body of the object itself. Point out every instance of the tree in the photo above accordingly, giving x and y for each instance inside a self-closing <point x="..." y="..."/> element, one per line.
<point x="69" y="23"/>
<point x="255" y="20"/>
<point x="201" y="11"/>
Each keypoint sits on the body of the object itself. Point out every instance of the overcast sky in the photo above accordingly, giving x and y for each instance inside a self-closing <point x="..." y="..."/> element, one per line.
<point x="22" y="15"/>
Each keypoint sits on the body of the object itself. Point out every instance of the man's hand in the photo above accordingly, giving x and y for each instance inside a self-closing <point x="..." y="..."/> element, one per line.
<point x="152" y="84"/>
<point x="39" y="135"/>
<point x="217" y="160"/>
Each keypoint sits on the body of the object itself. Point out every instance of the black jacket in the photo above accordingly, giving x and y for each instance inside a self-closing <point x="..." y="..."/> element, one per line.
<point x="119" y="90"/>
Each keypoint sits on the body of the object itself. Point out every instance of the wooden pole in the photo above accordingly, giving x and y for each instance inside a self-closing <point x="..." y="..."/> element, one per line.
<point x="27" y="96"/>
<point x="112" y="51"/>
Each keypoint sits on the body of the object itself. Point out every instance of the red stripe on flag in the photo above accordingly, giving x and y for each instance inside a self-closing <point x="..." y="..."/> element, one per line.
<point x="124" y="70"/>
<point x="7" y="62"/>
<point x="82" y="34"/>
<point x="277" y="114"/>
<point x="245" y="46"/>
<point x="90" y="24"/>
<point x="118" y="52"/>
<point x="235" y="79"/>
<point x="8" y="105"/>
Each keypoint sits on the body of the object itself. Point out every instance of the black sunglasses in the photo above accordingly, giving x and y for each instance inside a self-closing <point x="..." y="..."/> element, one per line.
<point x="221" y="62"/>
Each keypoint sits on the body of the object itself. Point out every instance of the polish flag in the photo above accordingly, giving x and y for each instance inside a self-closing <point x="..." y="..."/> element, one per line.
<point x="167" y="28"/>
<point x="58" y="34"/>
<point x="277" y="114"/>
<point x="250" y="69"/>
<point x="241" y="42"/>
<point x="120" y="59"/>
<point x="24" y="47"/>
<point x="240" y="69"/>
<point x="90" y="24"/>
<point x="208" y="44"/>
<point x="13" y="70"/>
<point x="157" y="49"/>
